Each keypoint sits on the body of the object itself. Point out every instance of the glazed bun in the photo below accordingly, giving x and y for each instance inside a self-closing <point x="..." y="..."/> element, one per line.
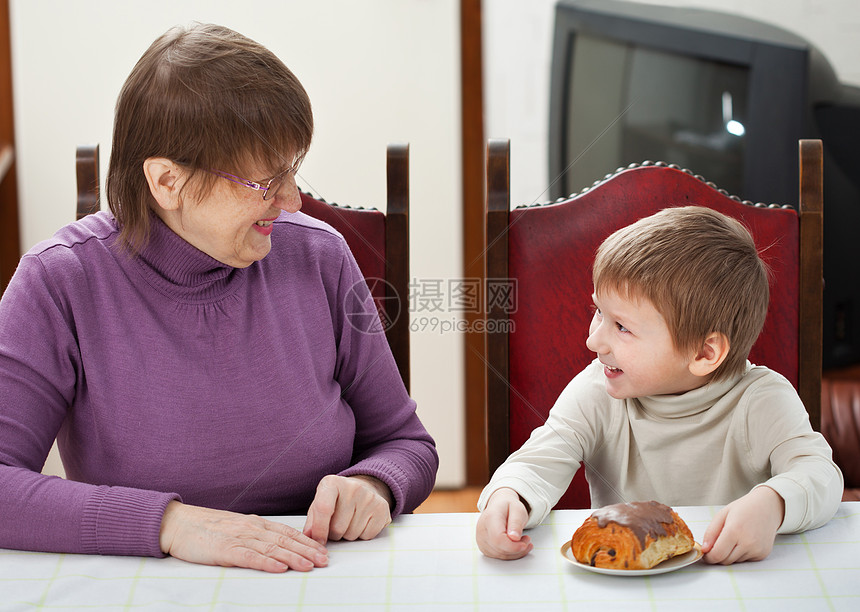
<point x="631" y="536"/>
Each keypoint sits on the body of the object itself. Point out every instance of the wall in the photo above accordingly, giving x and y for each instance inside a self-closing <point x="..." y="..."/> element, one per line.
<point x="518" y="42"/>
<point x="377" y="71"/>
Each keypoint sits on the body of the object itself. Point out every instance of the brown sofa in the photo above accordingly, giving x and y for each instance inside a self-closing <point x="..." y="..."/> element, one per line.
<point x="840" y="424"/>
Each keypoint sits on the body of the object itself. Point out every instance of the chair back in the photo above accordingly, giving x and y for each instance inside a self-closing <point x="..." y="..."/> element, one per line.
<point x="378" y="241"/>
<point x="840" y="425"/>
<point x="549" y="251"/>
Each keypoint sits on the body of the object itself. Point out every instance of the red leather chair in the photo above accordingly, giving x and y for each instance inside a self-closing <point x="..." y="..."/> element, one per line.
<point x="840" y="424"/>
<point x="379" y="241"/>
<point x="535" y="342"/>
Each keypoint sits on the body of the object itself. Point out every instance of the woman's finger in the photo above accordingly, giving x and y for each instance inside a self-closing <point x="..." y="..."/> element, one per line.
<point x="295" y="542"/>
<point x="286" y="533"/>
<point x="375" y="525"/>
<point x="320" y="512"/>
<point x="217" y="537"/>
<point x="351" y="507"/>
<point x="355" y="527"/>
<point x="288" y="553"/>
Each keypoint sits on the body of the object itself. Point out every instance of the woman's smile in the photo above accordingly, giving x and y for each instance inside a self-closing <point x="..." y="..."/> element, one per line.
<point x="264" y="226"/>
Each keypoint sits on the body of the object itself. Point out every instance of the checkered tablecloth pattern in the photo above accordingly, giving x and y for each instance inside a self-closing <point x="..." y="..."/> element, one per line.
<point x="430" y="562"/>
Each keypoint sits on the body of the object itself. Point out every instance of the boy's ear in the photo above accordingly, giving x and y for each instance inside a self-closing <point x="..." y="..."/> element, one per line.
<point x="714" y="351"/>
<point x="165" y="179"/>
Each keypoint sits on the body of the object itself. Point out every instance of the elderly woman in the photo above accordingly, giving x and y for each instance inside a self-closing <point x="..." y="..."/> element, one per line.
<point x="191" y="352"/>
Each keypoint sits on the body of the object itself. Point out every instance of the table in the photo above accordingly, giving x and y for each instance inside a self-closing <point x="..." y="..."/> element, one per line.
<point x="430" y="562"/>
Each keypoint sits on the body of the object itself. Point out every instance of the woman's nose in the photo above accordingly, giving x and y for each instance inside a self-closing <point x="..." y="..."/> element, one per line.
<point x="288" y="197"/>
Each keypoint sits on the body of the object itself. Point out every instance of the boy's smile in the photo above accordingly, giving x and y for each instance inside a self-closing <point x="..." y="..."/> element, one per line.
<point x="638" y="354"/>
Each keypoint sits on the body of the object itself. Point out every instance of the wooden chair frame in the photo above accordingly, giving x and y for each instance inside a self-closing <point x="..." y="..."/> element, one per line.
<point x="396" y="250"/>
<point x="497" y="406"/>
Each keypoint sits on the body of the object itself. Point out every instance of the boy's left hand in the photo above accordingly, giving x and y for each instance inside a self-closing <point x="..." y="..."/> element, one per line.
<point x="745" y="529"/>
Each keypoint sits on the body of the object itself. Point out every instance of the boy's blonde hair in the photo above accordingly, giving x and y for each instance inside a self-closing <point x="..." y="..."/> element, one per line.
<point x="701" y="271"/>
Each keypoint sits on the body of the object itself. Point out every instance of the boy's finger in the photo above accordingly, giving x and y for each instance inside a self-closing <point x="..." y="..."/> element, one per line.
<point x="495" y="523"/>
<point x="517" y="519"/>
<point x="508" y="549"/>
<point x="713" y="530"/>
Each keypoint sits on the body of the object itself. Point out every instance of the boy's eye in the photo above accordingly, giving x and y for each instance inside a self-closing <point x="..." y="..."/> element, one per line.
<point x="621" y="328"/>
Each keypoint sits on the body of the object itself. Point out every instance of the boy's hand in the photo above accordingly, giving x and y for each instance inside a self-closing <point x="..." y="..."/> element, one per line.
<point x="499" y="532"/>
<point x="745" y="529"/>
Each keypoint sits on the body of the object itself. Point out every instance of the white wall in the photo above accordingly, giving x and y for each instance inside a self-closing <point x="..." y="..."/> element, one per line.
<point x="518" y="43"/>
<point x="377" y="71"/>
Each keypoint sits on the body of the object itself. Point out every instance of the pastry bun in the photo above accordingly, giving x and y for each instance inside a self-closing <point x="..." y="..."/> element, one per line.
<point x="631" y="536"/>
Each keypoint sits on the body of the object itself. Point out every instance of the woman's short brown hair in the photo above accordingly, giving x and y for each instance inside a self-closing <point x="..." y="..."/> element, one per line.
<point x="701" y="271"/>
<point x="207" y="98"/>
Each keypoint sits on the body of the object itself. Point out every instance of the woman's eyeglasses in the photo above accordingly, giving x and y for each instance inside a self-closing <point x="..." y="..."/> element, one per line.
<point x="269" y="188"/>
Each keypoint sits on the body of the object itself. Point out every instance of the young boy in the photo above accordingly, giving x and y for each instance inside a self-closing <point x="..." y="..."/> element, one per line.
<point x="671" y="409"/>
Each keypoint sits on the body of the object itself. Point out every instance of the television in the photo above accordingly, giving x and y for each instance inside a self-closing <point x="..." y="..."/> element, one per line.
<point x="723" y="95"/>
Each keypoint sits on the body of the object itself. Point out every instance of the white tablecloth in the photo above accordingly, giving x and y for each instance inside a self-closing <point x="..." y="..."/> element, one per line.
<point x="430" y="562"/>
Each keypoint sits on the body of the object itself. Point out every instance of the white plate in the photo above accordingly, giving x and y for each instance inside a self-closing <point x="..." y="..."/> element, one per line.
<point x="669" y="565"/>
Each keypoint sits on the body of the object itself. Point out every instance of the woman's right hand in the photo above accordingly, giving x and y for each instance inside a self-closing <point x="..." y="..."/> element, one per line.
<point x="218" y="537"/>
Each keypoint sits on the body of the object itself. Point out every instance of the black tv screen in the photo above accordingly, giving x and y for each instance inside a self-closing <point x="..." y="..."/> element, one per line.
<point x="724" y="96"/>
<point x="655" y="106"/>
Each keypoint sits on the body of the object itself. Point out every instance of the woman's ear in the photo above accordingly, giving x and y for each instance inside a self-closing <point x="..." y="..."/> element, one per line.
<point x="714" y="351"/>
<point x="165" y="178"/>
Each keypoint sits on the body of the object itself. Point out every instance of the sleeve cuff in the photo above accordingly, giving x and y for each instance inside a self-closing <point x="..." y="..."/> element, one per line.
<point x="124" y="521"/>
<point x="794" y="497"/>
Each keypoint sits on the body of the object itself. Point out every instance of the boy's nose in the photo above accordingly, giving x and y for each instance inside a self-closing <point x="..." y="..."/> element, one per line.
<point x="595" y="342"/>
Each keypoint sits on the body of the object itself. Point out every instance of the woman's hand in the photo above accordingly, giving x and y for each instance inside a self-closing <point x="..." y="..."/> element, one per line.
<point x="499" y="531"/>
<point x="217" y="537"/>
<point x="745" y="529"/>
<point x="348" y="508"/>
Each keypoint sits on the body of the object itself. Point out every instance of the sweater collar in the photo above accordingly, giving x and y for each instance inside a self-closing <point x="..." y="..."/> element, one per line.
<point x="689" y="403"/>
<point x="182" y="271"/>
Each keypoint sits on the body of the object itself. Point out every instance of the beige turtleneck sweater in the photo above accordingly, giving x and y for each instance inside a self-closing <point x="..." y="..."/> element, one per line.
<point x="708" y="446"/>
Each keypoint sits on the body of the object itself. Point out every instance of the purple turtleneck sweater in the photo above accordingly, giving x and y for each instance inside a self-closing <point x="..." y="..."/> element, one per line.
<point x="172" y="376"/>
